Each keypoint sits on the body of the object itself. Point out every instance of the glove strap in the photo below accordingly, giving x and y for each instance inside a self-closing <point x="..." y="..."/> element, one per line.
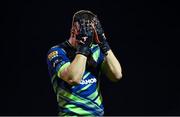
<point x="104" y="46"/>
<point x="83" y="50"/>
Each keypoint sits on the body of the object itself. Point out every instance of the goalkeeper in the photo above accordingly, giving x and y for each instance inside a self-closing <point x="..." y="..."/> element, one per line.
<point x="76" y="64"/>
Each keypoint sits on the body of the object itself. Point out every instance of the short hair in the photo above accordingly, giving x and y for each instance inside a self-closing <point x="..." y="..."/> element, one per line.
<point x="83" y="14"/>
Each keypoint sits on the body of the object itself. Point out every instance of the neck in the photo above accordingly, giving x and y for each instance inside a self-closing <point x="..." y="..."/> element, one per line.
<point x="72" y="41"/>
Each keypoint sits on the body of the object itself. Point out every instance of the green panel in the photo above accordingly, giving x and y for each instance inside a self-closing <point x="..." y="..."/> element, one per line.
<point x="99" y="100"/>
<point x="78" y="110"/>
<point x="96" y="55"/>
<point x="62" y="68"/>
<point x="76" y="98"/>
<point x="84" y="88"/>
<point x="93" y="95"/>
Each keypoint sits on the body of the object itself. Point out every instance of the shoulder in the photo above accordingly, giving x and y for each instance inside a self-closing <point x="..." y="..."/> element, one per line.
<point x="55" y="51"/>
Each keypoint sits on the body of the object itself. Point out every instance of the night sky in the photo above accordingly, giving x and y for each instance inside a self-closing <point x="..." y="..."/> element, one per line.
<point x="142" y="34"/>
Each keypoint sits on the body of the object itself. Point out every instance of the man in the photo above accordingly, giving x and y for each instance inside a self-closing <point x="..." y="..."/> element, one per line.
<point x="76" y="64"/>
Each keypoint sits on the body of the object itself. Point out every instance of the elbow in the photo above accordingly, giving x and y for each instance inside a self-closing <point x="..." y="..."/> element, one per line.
<point x="74" y="81"/>
<point x="118" y="76"/>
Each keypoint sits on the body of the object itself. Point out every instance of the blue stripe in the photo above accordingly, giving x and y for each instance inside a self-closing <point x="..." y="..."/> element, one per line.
<point x="100" y="58"/>
<point x="69" y="100"/>
<point x="80" y="86"/>
<point x="89" y="91"/>
<point x="94" y="111"/>
<point x="85" y="107"/>
<point x="101" y="106"/>
<point x="66" y="111"/>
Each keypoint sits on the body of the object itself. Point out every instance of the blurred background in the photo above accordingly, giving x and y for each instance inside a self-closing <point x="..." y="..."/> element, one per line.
<point x="142" y="34"/>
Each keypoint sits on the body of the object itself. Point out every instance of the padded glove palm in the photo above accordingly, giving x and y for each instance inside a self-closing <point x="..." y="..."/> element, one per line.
<point x="85" y="37"/>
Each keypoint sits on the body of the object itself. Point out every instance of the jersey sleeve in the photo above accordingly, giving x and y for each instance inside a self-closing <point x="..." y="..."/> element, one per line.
<point x="57" y="60"/>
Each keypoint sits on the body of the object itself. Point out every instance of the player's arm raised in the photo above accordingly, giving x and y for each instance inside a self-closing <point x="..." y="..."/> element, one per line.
<point x="74" y="72"/>
<point x="110" y="66"/>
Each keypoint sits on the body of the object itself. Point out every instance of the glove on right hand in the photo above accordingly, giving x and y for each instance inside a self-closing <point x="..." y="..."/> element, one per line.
<point x="85" y="37"/>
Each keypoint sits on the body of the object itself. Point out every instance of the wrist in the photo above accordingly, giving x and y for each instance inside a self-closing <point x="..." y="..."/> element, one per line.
<point x="83" y="50"/>
<point x="81" y="56"/>
<point x="104" y="47"/>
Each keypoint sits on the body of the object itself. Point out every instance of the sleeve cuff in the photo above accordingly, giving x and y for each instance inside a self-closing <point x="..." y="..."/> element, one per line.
<point x="60" y="68"/>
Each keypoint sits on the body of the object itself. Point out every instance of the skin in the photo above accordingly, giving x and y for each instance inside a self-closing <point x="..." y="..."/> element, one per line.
<point x="110" y="66"/>
<point x="74" y="72"/>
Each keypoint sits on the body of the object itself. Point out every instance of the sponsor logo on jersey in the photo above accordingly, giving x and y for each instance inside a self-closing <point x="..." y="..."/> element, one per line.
<point x="56" y="62"/>
<point x="52" y="55"/>
<point x="88" y="81"/>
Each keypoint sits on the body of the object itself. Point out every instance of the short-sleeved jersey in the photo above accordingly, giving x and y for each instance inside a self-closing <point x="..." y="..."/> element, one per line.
<point x="85" y="98"/>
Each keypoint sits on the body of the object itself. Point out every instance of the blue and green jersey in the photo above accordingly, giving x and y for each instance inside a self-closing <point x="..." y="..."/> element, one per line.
<point x="85" y="98"/>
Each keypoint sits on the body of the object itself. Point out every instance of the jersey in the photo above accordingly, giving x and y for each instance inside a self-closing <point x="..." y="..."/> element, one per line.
<point x="85" y="98"/>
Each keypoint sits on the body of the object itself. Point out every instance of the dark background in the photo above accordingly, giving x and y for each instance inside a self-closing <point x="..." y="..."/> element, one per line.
<point x="142" y="34"/>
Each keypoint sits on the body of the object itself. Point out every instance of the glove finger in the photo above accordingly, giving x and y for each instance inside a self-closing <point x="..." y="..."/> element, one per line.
<point x="96" y="38"/>
<point x="98" y="26"/>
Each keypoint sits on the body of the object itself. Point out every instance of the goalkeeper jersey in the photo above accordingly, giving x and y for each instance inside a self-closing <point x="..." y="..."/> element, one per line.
<point x="85" y="98"/>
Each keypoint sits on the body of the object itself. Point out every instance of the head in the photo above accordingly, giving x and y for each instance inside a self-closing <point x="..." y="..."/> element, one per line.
<point x="79" y="15"/>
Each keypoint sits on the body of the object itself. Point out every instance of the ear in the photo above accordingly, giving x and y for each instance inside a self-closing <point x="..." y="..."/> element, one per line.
<point x="75" y="28"/>
<point x="72" y="32"/>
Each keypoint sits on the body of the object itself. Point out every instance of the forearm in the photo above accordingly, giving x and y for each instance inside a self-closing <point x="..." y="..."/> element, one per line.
<point x="77" y="67"/>
<point x="112" y="66"/>
<point x="74" y="72"/>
